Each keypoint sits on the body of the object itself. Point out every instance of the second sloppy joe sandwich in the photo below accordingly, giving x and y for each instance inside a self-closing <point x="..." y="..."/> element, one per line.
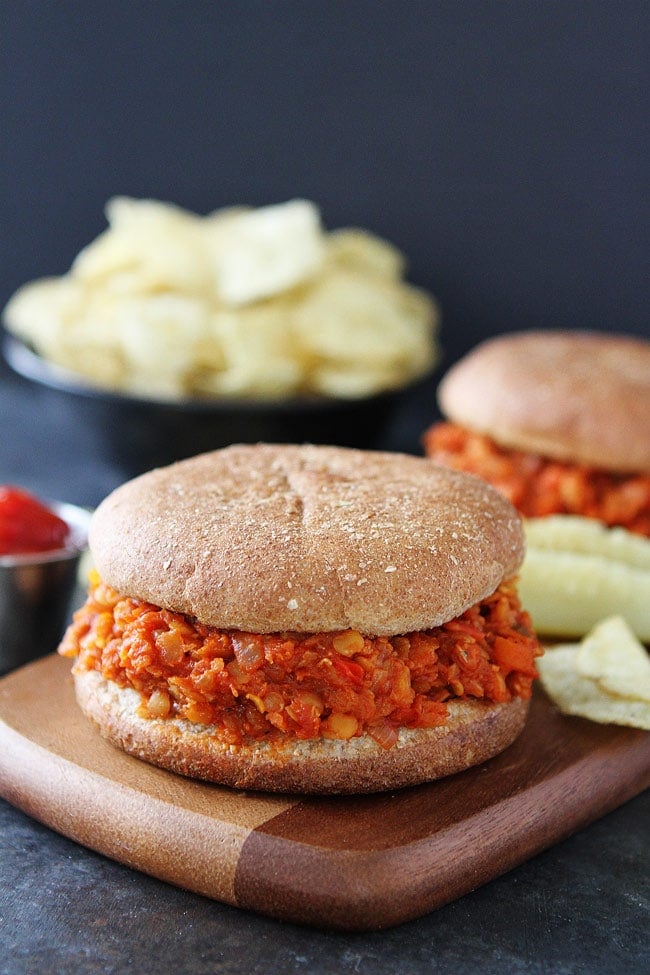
<point x="307" y="619"/>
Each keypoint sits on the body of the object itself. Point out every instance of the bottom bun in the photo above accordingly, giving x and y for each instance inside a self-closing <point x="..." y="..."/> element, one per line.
<point x="474" y="732"/>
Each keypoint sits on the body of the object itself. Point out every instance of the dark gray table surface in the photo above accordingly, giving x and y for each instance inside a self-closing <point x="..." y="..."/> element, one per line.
<point x="580" y="907"/>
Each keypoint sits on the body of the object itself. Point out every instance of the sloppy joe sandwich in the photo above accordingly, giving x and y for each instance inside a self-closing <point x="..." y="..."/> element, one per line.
<point x="559" y="422"/>
<point x="306" y="619"/>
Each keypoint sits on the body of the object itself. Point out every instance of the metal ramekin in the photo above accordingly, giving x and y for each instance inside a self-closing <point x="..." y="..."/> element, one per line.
<point x="36" y="592"/>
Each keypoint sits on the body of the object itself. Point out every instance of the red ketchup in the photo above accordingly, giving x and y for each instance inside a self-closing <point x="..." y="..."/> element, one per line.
<point x="28" y="525"/>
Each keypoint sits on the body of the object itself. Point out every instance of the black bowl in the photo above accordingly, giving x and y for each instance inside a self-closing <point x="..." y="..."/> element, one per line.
<point x="138" y="434"/>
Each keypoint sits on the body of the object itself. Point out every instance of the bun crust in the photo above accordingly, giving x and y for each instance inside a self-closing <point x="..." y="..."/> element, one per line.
<point x="268" y="538"/>
<point x="576" y="396"/>
<point x="475" y="732"/>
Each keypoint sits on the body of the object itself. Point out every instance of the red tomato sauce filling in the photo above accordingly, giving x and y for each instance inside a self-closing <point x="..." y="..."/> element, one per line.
<point x="538" y="486"/>
<point x="331" y="685"/>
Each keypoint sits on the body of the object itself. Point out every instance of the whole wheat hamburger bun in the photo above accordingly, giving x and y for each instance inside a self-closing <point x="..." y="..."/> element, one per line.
<point x="295" y="542"/>
<point x="574" y="395"/>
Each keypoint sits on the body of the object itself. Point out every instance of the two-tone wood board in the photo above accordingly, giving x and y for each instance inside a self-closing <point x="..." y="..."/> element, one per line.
<point x="349" y="863"/>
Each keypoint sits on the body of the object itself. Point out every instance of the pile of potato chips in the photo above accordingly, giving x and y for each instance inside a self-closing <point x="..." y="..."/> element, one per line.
<point x="246" y="303"/>
<point x="605" y="678"/>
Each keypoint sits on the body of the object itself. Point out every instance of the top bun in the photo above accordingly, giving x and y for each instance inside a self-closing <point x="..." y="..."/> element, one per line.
<point x="270" y="538"/>
<point x="576" y="396"/>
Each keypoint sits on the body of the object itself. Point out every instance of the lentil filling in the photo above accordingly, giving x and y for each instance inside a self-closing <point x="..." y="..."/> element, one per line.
<point x="537" y="486"/>
<point x="339" y="685"/>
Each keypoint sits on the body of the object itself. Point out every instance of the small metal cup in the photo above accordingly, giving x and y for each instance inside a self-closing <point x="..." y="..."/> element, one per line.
<point x="36" y="592"/>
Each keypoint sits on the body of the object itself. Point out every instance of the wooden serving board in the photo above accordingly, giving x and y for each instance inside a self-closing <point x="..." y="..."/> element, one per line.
<point x="349" y="863"/>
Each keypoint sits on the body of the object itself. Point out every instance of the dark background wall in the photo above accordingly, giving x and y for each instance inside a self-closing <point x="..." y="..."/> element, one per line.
<point x="503" y="145"/>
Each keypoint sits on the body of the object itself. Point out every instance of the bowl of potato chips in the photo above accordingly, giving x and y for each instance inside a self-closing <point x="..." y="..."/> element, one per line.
<point x="178" y="333"/>
<point x="137" y="433"/>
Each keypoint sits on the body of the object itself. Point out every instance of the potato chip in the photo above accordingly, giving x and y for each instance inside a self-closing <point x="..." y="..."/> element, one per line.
<point x="100" y="365"/>
<point x="359" y="250"/>
<point x="149" y="245"/>
<point x="363" y="334"/>
<point x="350" y="382"/>
<point x="41" y="310"/>
<point x="267" y="251"/>
<point x="580" y="696"/>
<point x="258" y="356"/>
<point x="612" y="656"/>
